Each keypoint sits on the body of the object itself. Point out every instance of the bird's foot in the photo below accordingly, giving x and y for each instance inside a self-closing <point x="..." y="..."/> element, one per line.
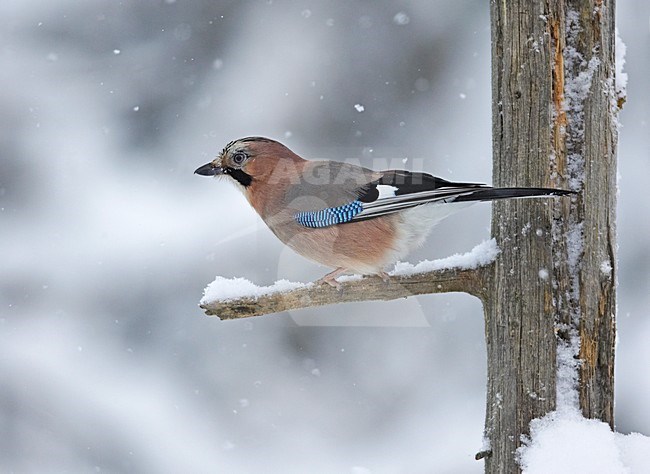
<point x="330" y="278"/>
<point x="384" y="276"/>
<point x="329" y="281"/>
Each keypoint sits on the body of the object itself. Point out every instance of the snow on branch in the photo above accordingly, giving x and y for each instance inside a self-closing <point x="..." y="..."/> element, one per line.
<point x="239" y="298"/>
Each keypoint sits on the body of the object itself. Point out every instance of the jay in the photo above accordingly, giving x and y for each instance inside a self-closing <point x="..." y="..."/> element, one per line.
<point x="344" y="216"/>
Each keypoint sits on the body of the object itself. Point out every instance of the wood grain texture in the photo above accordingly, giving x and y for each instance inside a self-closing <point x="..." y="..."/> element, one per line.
<point x="519" y="316"/>
<point x="596" y="210"/>
<point x="539" y="142"/>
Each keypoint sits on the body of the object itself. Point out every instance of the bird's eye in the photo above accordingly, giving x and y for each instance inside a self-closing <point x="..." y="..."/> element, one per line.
<point x="238" y="158"/>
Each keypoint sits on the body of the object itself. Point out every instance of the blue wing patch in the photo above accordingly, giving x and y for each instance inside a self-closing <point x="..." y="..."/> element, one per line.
<point x="329" y="216"/>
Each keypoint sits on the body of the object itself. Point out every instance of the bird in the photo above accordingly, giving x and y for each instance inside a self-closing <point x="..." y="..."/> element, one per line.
<point x="341" y="215"/>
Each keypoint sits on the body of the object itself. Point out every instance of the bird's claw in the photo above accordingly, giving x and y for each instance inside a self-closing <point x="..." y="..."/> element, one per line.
<point x="329" y="281"/>
<point x="330" y="278"/>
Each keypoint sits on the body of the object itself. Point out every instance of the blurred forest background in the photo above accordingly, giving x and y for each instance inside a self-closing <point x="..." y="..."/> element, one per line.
<point x="107" y="239"/>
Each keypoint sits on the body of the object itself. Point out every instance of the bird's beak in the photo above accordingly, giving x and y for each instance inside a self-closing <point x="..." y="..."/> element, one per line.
<point x="209" y="169"/>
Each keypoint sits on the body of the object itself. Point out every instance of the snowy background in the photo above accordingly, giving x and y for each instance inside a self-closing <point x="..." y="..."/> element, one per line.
<point x="107" y="239"/>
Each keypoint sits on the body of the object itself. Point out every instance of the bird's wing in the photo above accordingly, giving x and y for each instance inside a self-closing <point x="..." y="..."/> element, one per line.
<point x="396" y="190"/>
<point x="328" y="184"/>
<point x="357" y="193"/>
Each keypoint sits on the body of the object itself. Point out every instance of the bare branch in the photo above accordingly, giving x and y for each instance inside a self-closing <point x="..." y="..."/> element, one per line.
<point x="362" y="289"/>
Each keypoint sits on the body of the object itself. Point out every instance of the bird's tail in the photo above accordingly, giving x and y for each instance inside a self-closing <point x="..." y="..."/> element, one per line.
<point x="491" y="194"/>
<point x="450" y="193"/>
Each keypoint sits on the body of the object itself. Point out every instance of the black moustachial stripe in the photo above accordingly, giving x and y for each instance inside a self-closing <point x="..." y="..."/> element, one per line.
<point x="240" y="176"/>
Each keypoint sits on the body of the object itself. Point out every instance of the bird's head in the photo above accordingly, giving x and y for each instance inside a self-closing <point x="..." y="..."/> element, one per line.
<point x="248" y="160"/>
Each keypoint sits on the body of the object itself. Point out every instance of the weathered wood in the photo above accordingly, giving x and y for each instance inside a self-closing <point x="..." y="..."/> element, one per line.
<point x="548" y="279"/>
<point x="364" y="289"/>
<point x="519" y="316"/>
<point x="596" y="210"/>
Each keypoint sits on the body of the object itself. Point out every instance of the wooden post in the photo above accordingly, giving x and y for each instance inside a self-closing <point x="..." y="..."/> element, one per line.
<point x="554" y="112"/>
